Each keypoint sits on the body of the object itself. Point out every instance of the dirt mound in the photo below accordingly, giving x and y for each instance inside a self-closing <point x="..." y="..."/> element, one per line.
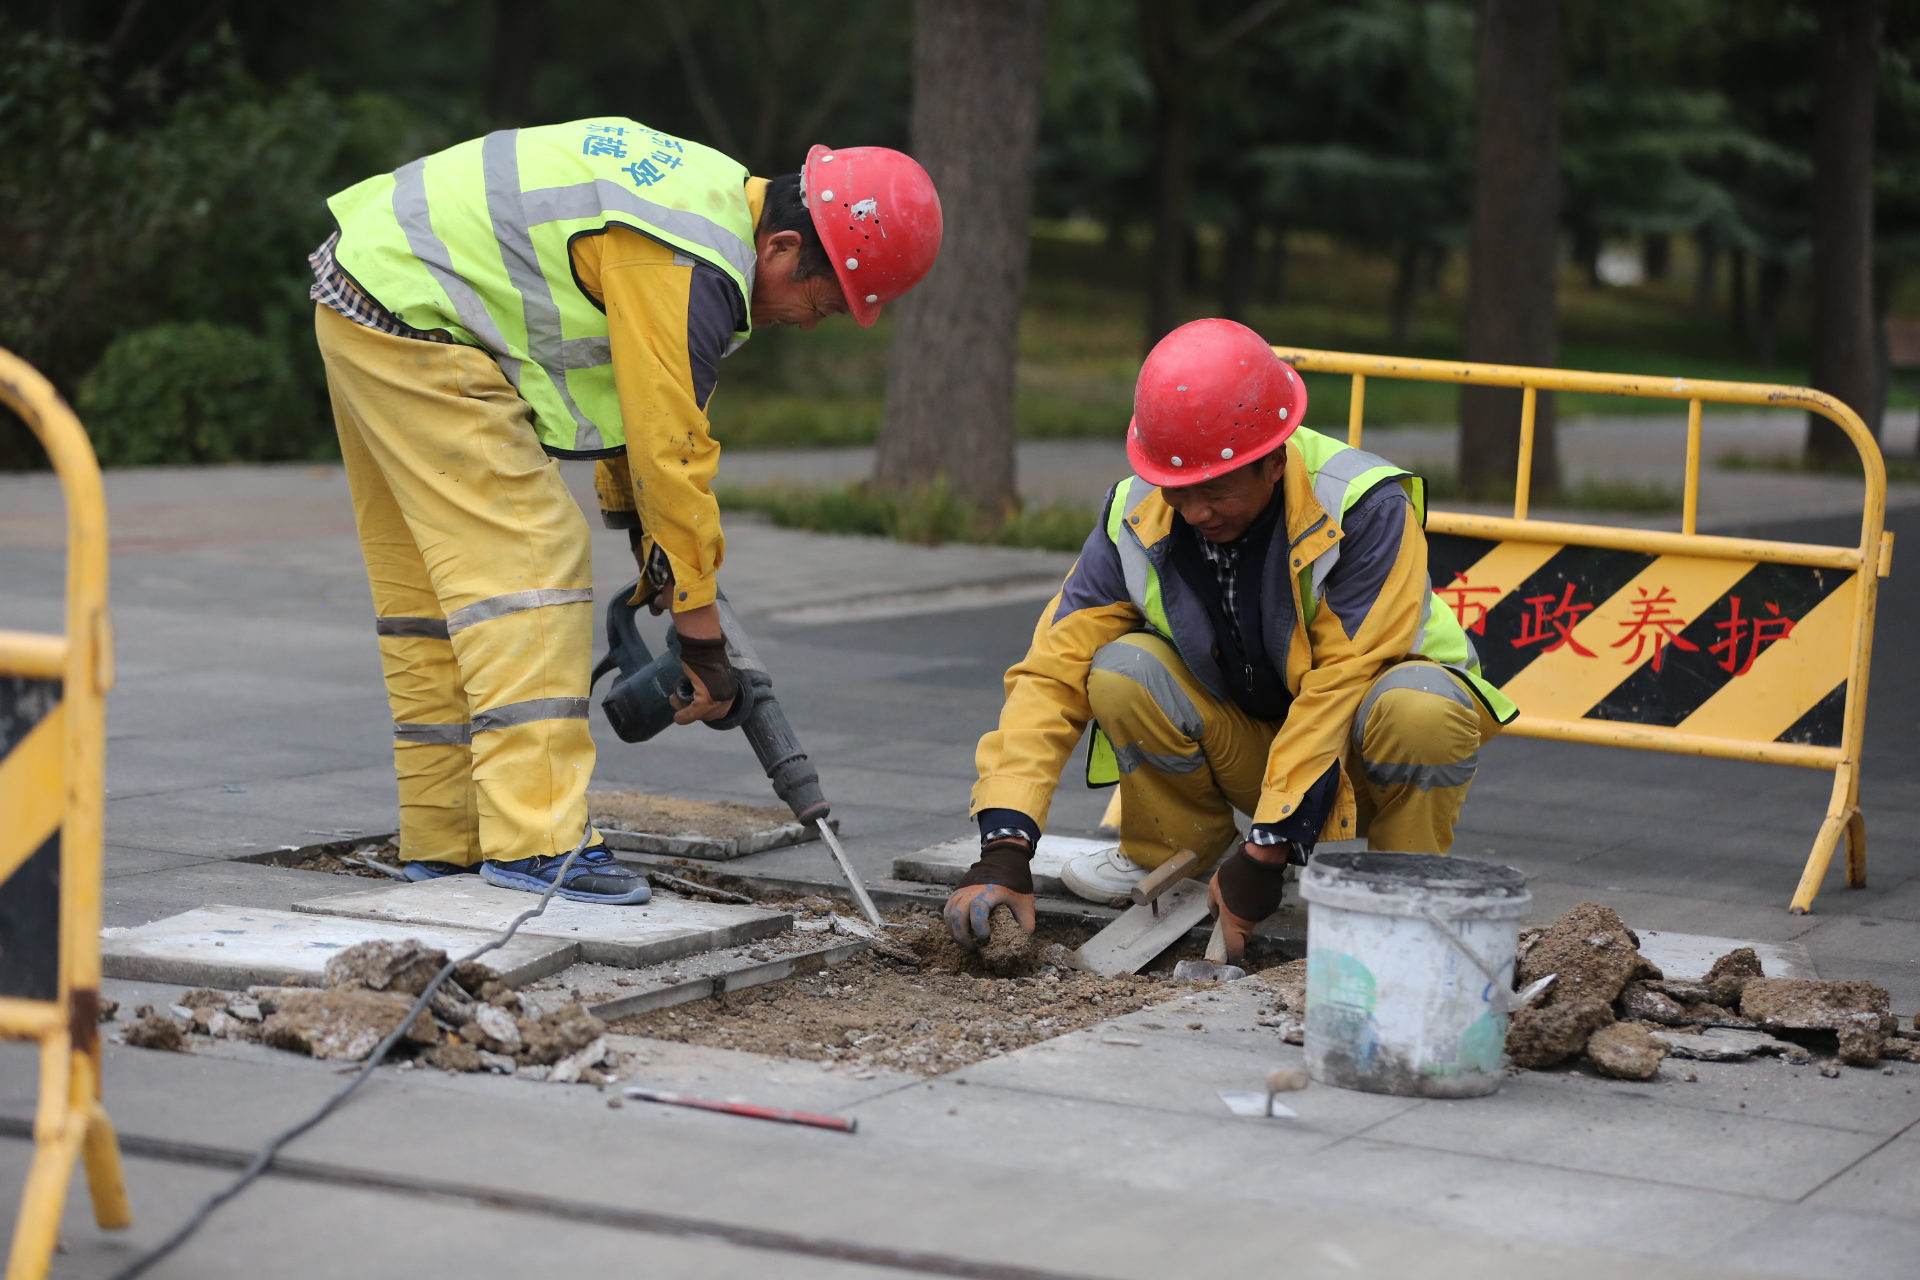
<point x="1288" y="1015"/>
<point x="1593" y="953"/>
<point x="156" y="1031"/>
<point x="667" y="816"/>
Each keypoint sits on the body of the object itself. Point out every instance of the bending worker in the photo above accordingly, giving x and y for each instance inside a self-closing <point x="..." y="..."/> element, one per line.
<point x="562" y="292"/>
<point x="1255" y="633"/>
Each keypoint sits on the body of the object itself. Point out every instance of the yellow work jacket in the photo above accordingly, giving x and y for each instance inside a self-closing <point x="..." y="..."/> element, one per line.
<point x="664" y="482"/>
<point x="1327" y="671"/>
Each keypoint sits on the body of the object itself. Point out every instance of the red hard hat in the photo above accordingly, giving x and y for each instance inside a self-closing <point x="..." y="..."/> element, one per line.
<point x="878" y="217"/>
<point x="1211" y="397"/>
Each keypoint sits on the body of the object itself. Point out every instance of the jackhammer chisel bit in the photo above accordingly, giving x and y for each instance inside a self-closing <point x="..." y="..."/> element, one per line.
<point x="641" y="703"/>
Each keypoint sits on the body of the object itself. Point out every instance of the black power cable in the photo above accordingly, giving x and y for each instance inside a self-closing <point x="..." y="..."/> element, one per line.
<point x="264" y="1158"/>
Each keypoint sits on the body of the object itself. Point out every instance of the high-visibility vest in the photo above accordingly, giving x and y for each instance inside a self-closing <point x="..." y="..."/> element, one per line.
<point x="475" y="240"/>
<point x="1340" y="476"/>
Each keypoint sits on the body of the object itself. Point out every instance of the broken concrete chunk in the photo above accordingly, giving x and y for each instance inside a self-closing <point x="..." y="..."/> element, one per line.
<point x="1730" y="973"/>
<point x="570" y="1068"/>
<point x="498" y="1026"/>
<point x="1858" y="1012"/>
<point x="381" y="964"/>
<point x="1543" y="1035"/>
<point x="1721" y="1044"/>
<point x="456" y="1056"/>
<point x="1591" y="950"/>
<point x="203" y="998"/>
<point x="157" y="1031"/>
<point x="1640" y="1000"/>
<point x="341" y="1024"/>
<point x="558" y="1034"/>
<point x="1625" y="1051"/>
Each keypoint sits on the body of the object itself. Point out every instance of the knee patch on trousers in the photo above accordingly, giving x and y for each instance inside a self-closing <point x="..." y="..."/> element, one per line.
<point x="1418" y="728"/>
<point x="1144" y="712"/>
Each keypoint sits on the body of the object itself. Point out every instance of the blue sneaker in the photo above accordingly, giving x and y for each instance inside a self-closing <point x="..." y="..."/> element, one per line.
<point x="422" y="869"/>
<point x="595" y="877"/>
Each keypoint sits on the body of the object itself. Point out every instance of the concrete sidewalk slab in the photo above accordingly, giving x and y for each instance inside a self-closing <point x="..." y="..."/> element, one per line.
<point x="948" y="863"/>
<point x="1681" y="956"/>
<point x="237" y="947"/>
<point x="627" y="936"/>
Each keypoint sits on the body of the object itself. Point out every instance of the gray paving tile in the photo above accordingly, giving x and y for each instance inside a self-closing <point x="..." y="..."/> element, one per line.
<point x="1886" y="1183"/>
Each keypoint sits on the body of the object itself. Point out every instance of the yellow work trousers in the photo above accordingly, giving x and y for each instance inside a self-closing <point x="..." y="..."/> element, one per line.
<point x="1189" y="759"/>
<point x="482" y="594"/>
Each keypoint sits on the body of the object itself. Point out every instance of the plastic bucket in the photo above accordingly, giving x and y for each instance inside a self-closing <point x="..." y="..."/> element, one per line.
<point x="1393" y="1003"/>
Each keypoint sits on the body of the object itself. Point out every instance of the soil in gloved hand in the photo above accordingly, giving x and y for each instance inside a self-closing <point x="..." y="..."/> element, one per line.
<point x="1010" y="949"/>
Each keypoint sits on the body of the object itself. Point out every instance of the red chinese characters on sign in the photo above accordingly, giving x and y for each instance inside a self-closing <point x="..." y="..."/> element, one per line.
<point x="1459" y="590"/>
<point x="1556" y="625"/>
<point x="1755" y="631"/>
<point x="1654" y="622"/>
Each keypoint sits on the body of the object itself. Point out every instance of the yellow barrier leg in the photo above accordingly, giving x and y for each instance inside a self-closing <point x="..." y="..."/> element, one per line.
<point x="1856" y="850"/>
<point x="56" y="1141"/>
<point x="99" y="1147"/>
<point x="1841" y="812"/>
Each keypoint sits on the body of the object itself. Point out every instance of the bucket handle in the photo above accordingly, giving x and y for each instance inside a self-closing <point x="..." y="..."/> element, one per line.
<point x="1504" y="999"/>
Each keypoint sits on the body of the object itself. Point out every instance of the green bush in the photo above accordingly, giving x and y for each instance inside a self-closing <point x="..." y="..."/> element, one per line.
<point x="928" y="516"/>
<point x="198" y="392"/>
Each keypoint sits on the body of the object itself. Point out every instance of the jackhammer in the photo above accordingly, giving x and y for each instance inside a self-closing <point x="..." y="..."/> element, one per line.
<point x="642" y="700"/>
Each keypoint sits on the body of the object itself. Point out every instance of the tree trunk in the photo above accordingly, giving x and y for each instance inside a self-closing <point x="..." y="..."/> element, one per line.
<point x="1772" y="292"/>
<point x="1173" y="108"/>
<point x="1514" y="242"/>
<point x="950" y="379"/>
<point x="1706" y="272"/>
<point x="519" y="43"/>
<point x="1656" y="250"/>
<point x="1737" y="316"/>
<point x="1406" y="288"/>
<point x="1844" y="363"/>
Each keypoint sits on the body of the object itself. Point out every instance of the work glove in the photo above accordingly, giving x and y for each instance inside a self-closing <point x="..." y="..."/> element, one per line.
<point x="1002" y="875"/>
<point x="1243" y="892"/>
<point x="707" y="660"/>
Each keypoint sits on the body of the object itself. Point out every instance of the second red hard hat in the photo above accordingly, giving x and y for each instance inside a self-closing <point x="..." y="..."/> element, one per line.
<point x="879" y="219"/>
<point x="1211" y="397"/>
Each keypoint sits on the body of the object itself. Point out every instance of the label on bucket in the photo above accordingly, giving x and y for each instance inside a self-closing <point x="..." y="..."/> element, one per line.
<point x="1340" y="1003"/>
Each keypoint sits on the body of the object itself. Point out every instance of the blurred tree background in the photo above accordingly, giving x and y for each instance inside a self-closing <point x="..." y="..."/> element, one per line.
<point x="1305" y="166"/>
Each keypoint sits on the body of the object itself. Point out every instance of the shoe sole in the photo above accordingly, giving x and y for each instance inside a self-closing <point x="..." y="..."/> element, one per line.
<point x="534" y="884"/>
<point x="432" y="875"/>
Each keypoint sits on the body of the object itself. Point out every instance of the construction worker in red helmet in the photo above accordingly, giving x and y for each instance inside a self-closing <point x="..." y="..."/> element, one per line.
<point x="1250" y="627"/>
<point x="562" y="292"/>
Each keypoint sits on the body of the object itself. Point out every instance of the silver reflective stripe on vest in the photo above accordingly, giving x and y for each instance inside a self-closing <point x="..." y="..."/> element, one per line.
<point x="1141" y="667"/>
<point x="591" y="199"/>
<point x="410" y="208"/>
<point x="437" y="735"/>
<point x="1134" y="565"/>
<point x="417" y="628"/>
<point x="1330" y="489"/>
<point x="500" y="157"/>
<point x="585" y="353"/>
<point x="1425" y="677"/>
<point x="515" y="602"/>
<point x="529" y="711"/>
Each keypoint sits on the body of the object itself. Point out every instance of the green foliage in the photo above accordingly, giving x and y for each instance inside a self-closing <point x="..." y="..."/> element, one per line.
<point x="929" y="516"/>
<point x="194" y="393"/>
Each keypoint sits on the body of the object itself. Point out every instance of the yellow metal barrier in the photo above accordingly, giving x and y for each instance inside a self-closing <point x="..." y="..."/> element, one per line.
<point x="1781" y="683"/>
<point x="52" y="780"/>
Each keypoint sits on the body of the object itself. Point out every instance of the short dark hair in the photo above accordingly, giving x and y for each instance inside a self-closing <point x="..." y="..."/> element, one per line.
<point x="783" y="211"/>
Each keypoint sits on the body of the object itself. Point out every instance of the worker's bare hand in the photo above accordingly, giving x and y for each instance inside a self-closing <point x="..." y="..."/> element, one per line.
<point x="702" y="706"/>
<point x="969" y="911"/>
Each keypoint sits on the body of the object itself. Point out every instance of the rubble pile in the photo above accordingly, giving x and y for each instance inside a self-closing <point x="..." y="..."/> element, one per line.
<point x="473" y="1023"/>
<point x="1608" y="1003"/>
<point x="1288" y="1016"/>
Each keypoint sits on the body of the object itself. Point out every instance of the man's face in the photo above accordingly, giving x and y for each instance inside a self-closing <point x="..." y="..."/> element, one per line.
<point x="1221" y="509"/>
<point x="780" y="299"/>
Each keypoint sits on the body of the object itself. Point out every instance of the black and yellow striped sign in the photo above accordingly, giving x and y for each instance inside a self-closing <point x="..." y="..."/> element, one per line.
<point x="1726" y="648"/>
<point x="33" y="746"/>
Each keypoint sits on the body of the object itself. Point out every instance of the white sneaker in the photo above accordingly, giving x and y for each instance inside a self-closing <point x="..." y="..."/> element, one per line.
<point x="1107" y="876"/>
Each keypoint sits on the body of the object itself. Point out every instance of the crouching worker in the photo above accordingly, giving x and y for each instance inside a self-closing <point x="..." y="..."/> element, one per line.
<point x="1255" y="633"/>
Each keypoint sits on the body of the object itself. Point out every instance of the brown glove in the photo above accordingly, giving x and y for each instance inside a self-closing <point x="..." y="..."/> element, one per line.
<point x="708" y="660"/>
<point x="1002" y="875"/>
<point x="1243" y="892"/>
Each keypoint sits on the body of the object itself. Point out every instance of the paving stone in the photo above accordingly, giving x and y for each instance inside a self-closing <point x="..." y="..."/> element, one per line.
<point x="1683" y="956"/>
<point x="236" y="947"/>
<point x="947" y="863"/>
<point x="627" y="936"/>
